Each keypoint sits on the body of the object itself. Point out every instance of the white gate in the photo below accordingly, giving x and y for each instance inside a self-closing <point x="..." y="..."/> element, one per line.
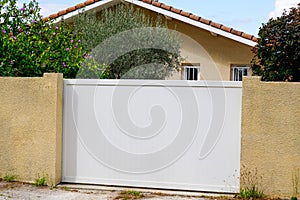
<point x="157" y="134"/>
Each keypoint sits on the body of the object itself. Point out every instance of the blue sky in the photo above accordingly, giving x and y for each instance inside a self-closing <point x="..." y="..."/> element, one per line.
<point x="246" y="16"/>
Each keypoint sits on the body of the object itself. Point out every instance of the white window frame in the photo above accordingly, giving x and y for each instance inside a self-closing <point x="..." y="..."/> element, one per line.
<point x="190" y="66"/>
<point x="239" y="68"/>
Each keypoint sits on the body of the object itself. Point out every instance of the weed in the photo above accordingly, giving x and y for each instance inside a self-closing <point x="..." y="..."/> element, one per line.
<point x="9" y="178"/>
<point x="65" y="188"/>
<point x="162" y="194"/>
<point x="53" y="187"/>
<point x="250" y="185"/>
<point x="125" y="195"/>
<point x="295" y="179"/>
<point x="40" y="181"/>
<point x="250" y="193"/>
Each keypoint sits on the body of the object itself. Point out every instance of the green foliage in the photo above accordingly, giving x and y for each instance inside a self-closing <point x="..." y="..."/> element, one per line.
<point x="30" y="47"/>
<point x="65" y="188"/>
<point x="250" y="193"/>
<point x="91" y="69"/>
<point x="131" y="44"/>
<point x="9" y="177"/>
<point x="250" y="185"/>
<point x="129" y="195"/>
<point x="278" y="49"/>
<point x="40" y="181"/>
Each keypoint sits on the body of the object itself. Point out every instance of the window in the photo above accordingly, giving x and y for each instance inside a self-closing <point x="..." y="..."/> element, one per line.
<point x="191" y="72"/>
<point x="238" y="71"/>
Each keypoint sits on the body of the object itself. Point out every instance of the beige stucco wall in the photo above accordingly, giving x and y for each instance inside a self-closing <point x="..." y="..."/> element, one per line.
<point x="31" y="127"/>
<point x="215" y="54"/>
<point x="271" y="134"/>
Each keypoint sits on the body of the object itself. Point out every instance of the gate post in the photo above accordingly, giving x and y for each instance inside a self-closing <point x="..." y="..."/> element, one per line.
<point x="31" y="127"/>
<point x="270" y="153"/>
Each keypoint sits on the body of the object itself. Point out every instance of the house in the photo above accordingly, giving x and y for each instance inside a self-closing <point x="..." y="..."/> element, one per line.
<point x="211" y="51"/>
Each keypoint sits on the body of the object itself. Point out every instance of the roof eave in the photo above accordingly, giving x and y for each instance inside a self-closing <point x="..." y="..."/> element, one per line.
<point x="95" y="5"/>
<point x="193" y="22"/>
<point x="99" y="4"/>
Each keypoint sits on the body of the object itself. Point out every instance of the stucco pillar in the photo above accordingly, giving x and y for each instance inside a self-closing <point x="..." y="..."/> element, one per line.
<point x="31" y="127"/>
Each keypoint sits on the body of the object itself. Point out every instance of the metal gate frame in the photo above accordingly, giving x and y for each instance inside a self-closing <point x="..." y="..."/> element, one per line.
<point x="159" y="134"/>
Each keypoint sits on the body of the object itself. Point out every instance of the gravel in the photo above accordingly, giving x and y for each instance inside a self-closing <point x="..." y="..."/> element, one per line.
<point x="23" y="191"/>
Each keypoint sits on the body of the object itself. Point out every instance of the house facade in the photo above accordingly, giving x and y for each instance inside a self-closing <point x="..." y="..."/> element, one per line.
<point x="210" y="51"/>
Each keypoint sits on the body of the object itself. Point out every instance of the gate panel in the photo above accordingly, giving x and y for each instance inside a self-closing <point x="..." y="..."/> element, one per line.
<point x="157" y="134"/>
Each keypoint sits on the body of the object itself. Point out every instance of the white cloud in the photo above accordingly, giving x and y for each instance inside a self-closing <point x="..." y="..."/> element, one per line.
<point x="280" y="5"/>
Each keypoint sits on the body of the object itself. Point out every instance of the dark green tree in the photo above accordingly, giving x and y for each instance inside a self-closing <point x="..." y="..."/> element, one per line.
<point x="130" y="43"/>
<point x="277" y="54"/>
<point x="31" y="46"/>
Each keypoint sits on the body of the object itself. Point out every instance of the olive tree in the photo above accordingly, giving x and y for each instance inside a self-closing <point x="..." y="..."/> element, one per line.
<point x="131" y="44"/>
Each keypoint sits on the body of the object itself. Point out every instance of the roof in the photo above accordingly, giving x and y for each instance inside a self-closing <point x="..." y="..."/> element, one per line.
<point x="187" y="17"/>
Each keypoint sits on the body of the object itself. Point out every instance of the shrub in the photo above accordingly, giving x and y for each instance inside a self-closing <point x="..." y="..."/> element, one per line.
<point x="91" y="69"/>
<point x="278" y="50"/>
<point x="30" y="46"/>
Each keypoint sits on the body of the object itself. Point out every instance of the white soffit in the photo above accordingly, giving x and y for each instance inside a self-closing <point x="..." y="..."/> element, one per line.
<point x="86" y="8"/>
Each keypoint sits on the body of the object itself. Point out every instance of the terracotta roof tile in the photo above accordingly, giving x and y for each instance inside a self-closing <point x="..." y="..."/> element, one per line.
<point x="80" y="5"/>
<point x="71" y="9"/>
<point x="247" y="36"/>
<point x="209" y="22"/>
<point x="175" y="10"/>
<point x="166" y="7"/>
<point x="186" y="14"/>
<point x="194" y="17"/>
<point x="88" y="2"/>
<point x="53" y="16"/>
<point x="216" y="25"/>
<point x="147" y="1"/>
<point x="45" y="19"/>
<point x="255" y="39"/>
<point x="235" y="32"/>
<point x="226" y="28"/>
<point x="205" y="21"/>
<point x="62" y="12"/>
<point x="156" y="3"/>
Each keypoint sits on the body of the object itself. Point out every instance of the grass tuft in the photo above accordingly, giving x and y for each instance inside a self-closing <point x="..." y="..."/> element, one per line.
<point x="126" y="195"/>
<point x="40" y="181"/>
<point x="9" y="178"/>
<point x="250" y="193"/>
<point x="250" y="181"/>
